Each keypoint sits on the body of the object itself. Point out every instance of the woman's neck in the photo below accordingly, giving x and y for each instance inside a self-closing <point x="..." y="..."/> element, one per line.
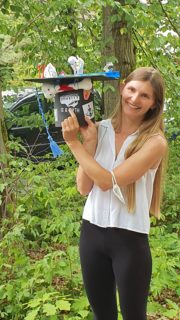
<point x="128" y="127"/>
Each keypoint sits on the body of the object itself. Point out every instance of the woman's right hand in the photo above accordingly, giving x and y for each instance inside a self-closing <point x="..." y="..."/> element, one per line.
<point x="89" y="133"/>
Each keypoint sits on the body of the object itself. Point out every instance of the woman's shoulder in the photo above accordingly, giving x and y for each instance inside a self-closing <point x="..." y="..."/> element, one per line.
<point x="103" y="123"/>
<point x="157" y="141"/>
<point x="159" y="137"/>
<point x="103" y="127"/>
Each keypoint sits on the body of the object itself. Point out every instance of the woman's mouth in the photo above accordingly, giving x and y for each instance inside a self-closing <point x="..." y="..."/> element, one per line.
<point x="133" y="106"/>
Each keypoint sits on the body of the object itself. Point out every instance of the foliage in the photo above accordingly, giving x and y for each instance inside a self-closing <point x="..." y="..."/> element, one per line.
<point x="165" y="245"/>
<point x="171" y="203"/>
<point x="39" y="262"/>
<point x="39" y="32"/>
<point x="40" y="273"/>
<point x="157" y="45"/>
<point x="50" y="32"/>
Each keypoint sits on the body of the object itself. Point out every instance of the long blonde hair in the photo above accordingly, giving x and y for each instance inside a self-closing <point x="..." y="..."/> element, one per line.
<point x="152" y="124"/>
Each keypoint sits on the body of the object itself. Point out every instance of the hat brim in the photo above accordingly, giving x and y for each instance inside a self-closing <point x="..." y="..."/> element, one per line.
<point x="67" y="79"/>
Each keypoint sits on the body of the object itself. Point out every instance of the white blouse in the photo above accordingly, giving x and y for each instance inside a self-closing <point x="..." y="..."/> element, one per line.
<point x="103" y="208"/>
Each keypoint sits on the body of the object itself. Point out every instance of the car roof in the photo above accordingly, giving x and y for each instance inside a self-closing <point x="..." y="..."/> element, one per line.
<point x="24" y="98"/>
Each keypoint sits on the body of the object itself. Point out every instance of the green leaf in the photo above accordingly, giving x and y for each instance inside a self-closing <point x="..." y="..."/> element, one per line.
<point x="32" y="315"/>
<point x="171" y="313"/>
<point x="63" y="305"/>
<point x="49" y="309"/>
<point x="172" y="304"/>
<point x="46" y="296"/>
<point x="80" y="304"/>
<point x="34" y="303"/>
<point x="83" y="313"/>
<point x="2" y="187"/>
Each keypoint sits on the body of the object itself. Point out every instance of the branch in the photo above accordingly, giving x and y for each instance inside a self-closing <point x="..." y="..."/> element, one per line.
<point x="152" y="61"/>
<point x="23" y="30"/>
<point x="149" y="57"/>
<point x="166" y="15"/>
<point x="90" y="30"/>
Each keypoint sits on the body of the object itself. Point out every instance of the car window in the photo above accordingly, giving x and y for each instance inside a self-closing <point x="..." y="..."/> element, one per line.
<point x="26" y="109"/>
<point x="29" y="107"/>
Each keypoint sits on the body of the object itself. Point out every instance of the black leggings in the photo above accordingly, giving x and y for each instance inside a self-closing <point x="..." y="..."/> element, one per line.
<point x="113" y="257"/>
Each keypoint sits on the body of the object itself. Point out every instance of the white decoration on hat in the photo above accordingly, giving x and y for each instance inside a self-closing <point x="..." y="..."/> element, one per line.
<point x="50" y="71"/>
<point x="77" y="64"/>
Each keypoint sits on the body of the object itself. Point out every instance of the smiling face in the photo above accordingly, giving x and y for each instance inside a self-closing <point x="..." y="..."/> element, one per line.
<point x="137" y="99"/>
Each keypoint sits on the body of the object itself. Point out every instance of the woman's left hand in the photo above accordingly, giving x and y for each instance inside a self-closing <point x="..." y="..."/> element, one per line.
<point x="70" y="128"/>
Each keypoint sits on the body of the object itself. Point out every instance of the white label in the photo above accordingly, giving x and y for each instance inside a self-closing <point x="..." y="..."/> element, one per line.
<point x="88" y="109"/>
<point x="70" y="101"/>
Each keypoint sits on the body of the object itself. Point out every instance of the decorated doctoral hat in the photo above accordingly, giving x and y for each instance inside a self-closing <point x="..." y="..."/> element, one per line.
<point x="73" y="91"/>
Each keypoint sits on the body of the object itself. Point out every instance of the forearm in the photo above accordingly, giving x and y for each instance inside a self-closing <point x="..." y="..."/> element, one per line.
<point x="84" y="182"/>
<point x="90" y="147"/>
<point x="89" y="166"/>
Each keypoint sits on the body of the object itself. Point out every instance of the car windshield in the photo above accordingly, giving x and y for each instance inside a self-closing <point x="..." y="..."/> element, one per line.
<point x="9" y="97"/>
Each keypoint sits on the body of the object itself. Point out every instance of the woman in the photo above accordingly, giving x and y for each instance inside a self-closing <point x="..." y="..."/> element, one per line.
<point x="120" y="168"/>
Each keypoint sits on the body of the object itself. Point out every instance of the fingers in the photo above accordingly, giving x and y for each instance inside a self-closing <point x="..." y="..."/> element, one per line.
<point x="70" y="123"/>
<point x="73" y="117"/>
<point x="88" y="120"/>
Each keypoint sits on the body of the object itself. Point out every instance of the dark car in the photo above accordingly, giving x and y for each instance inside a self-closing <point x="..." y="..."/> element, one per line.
<point x="25" y="121"/>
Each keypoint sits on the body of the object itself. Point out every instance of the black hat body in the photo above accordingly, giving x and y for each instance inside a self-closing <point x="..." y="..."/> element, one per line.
<point x="80" y="101"/>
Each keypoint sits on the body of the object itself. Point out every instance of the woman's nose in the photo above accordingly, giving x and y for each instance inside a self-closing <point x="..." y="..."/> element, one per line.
<point x="135" y="97"/>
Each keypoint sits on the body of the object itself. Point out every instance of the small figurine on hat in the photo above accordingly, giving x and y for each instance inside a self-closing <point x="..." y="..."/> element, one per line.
<point x="108" y="67"/>
<point x="50" y="71"/>
<point x="77" y="64"/>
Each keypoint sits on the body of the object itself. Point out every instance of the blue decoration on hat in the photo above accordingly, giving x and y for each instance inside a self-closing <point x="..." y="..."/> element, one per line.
<point x="53" y="145"/>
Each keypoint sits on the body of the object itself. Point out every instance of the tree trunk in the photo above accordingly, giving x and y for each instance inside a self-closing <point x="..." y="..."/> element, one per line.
<point x="3" y="151"/>
<point x="118" y="45"/>
<point x="3" y="132"/>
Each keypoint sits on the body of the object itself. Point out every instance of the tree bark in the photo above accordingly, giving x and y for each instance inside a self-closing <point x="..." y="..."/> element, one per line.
<point x="3" y="131"/>
<point x="3" y="151"/>
<point x="118" y="45"/>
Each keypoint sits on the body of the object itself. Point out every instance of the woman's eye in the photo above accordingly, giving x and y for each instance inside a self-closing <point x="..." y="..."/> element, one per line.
<point x="145" y="96"/>
<point x="131" y="89"/>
